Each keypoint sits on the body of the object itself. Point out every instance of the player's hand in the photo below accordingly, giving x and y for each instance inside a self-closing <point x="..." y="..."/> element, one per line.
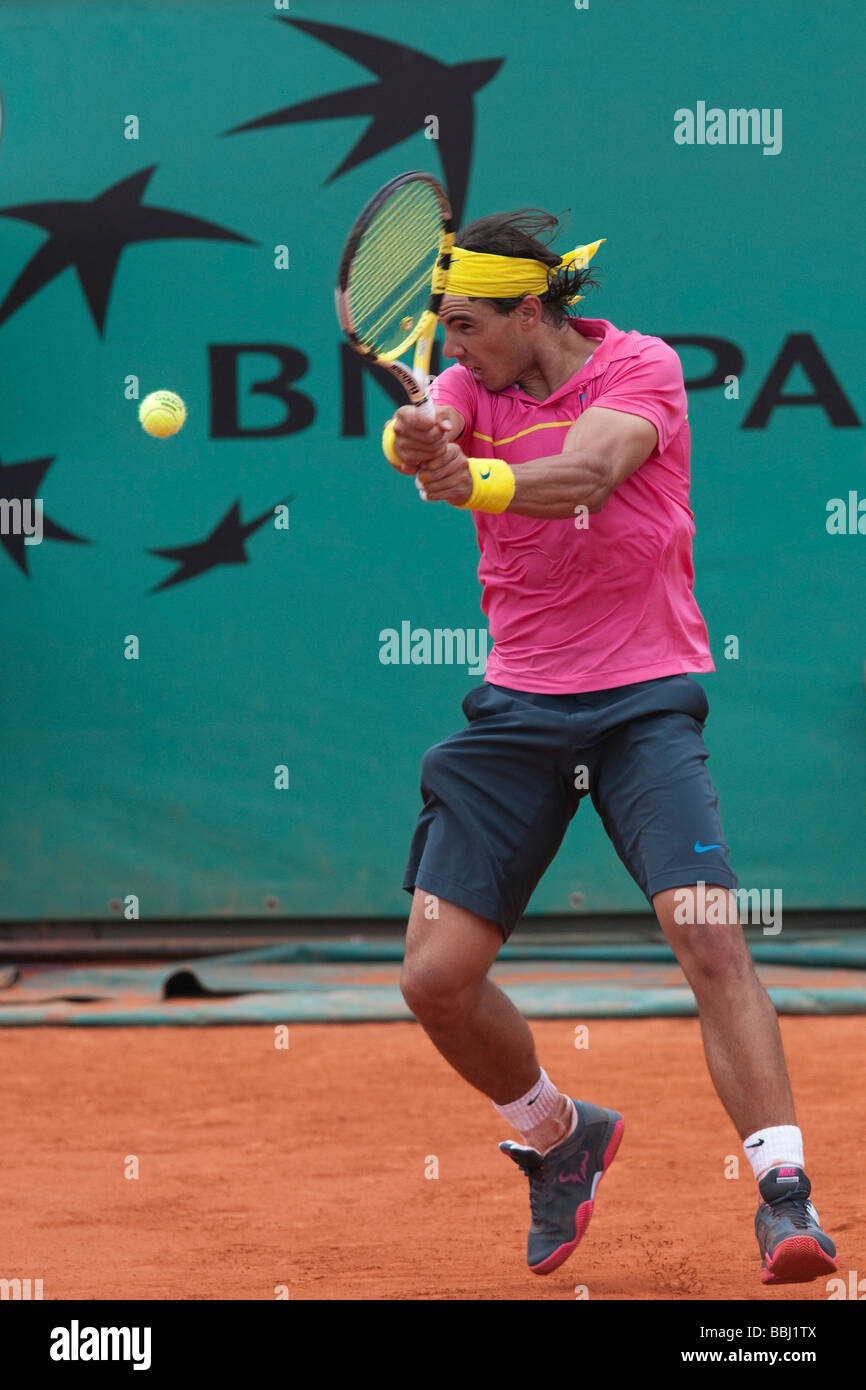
<point x="447" y="478"/>
<point x="419" y="439"/>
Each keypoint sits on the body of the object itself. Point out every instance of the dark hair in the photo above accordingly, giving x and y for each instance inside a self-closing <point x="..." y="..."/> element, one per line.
<point x="518" y="234"/>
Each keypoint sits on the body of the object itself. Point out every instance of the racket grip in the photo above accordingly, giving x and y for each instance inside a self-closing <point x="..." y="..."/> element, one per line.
<point x="426" y="407"/>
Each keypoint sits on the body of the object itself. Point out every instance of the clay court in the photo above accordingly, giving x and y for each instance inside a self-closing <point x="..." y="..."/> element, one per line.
<point x="305" y="1167"/>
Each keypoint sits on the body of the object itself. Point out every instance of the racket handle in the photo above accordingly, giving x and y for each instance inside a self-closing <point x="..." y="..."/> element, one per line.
<point x="425" y="406"/>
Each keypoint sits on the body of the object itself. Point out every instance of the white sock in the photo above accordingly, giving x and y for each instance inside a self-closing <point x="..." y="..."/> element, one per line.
<point x="530" y="1110"/>
<point x="767" y="1148"/>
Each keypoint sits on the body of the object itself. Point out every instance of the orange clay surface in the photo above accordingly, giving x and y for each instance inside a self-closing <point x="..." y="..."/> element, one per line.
<point x="306" y="1167"/>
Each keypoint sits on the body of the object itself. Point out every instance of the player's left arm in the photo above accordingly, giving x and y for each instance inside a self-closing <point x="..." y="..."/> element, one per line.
<point x="599" y="452"/>
<point x="641" y="408"/>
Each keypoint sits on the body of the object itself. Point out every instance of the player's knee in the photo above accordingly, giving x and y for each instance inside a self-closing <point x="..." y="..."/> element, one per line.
<point x="424" y="988"/>
<point x="714" y="956"/>
<point x="432" y="991"/>
<point x="702" y="926"/>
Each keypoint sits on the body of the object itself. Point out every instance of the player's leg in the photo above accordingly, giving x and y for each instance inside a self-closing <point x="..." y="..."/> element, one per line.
<point x="475" y="1027"/>
<point x="473" y="1024"/>
<point x="496" y="806"/>
<point x="498" y="797"/>
<point x="743" y="1046"/>
<point x="660" y="809"/>
<point x="740" y="1029"/>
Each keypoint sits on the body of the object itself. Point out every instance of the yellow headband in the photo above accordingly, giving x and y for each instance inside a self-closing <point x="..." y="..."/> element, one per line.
<point x="477" y="275"/>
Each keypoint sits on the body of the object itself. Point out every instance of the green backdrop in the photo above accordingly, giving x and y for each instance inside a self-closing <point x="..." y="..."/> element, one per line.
<point x="155" y="777"/>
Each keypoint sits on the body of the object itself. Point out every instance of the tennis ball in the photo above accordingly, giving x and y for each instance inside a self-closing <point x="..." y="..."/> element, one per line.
<point x="162" y="413"/>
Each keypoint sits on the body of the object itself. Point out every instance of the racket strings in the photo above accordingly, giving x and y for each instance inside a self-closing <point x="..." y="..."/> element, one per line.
<point x="394" y="266"/>
<point x="390" y="289"/>
<point x="407" y="226"/>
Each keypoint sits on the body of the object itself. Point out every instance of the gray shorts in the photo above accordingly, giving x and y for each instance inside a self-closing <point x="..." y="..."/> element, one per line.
<point x="499" y="794"/>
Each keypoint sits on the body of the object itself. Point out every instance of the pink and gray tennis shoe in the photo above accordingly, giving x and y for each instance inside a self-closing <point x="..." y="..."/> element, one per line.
<point x="562" y="1184"/>
<point x="793" y="1247"/>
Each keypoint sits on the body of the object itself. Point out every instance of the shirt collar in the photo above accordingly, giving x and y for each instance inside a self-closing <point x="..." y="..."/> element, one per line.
<point x="613" y="345"/>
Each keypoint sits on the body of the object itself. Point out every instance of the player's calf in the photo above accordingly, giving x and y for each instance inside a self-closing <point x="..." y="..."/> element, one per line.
<point x="746" y="1062"/>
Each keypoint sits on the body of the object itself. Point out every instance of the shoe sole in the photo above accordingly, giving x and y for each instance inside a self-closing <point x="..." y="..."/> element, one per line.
<point x="797" y="1260"/>
<point x="584" y="1212"/>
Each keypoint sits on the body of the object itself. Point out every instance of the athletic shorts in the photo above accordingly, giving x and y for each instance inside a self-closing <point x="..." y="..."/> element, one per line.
<point x="499" y="794"/>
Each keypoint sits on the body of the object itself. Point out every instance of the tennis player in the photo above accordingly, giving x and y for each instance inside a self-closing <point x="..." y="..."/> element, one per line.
<point x="568" y="441"/>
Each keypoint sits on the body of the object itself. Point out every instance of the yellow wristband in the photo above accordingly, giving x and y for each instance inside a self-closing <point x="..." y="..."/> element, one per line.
<point x="388" y="446"/>
<point x="492" y="486"/>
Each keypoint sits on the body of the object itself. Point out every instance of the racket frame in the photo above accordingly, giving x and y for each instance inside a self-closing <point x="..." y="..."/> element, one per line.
<point x="415" y="380"/>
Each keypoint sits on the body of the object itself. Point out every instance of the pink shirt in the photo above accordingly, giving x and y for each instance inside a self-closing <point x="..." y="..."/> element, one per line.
<point x="574" y="609"/>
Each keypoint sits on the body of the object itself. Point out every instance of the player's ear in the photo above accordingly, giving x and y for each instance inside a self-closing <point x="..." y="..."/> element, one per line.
<point x="529" y="311"/>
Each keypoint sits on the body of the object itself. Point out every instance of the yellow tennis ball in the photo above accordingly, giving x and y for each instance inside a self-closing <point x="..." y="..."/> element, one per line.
<point x="162" y="413"/>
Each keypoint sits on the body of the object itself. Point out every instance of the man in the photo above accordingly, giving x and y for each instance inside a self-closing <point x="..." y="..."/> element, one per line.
<point x="568" y="440"/>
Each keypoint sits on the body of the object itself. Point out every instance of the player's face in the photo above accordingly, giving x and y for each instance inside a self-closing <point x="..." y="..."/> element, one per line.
<point x="490" y="344"/>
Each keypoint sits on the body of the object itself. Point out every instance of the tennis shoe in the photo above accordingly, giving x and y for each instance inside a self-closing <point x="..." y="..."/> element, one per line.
<point x="563" y="1182"/>
<point x="793" y="1247"/>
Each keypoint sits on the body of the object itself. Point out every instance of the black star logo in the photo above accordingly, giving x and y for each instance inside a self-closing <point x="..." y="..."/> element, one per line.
<point x="412" y="86"/>
<point x="91" y="235"/>
<point x="21" y="482"/>
<point x="224" y="546"/>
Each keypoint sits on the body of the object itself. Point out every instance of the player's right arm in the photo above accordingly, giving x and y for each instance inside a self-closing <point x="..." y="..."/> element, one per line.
<point x="418" y="439"/>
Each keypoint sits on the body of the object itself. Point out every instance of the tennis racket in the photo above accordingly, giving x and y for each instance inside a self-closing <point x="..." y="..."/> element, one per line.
<point x="392" y="277"/>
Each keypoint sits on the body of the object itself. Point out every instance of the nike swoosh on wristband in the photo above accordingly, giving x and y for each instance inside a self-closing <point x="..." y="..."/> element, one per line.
<point x="755" y="1146"/>
<point x="702" y="849"/>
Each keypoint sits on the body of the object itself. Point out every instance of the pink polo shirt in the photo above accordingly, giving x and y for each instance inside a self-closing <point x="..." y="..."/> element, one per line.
<point x="573" y="609"/>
